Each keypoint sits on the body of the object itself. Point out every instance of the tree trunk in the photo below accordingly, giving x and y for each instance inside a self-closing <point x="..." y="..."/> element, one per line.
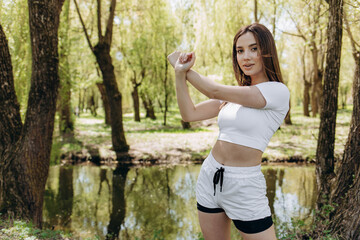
<point x="102" y="53"/>
<point x="10" y="120"/>
<point x="91" y="103"/>
<point x="346" y="218"/>
<point x="185" y="125"/>
<point x="316" y="90"/>
<point x="135" y="97"/>
<point x="326" y="139"/>
<point x="25" y="164"/>
<point x="307" y="86"/>
<point x="288" y="119"/>
<point x="166" y="90"/>
<point x="255" y="12"/>
<point x="105" y="103"/>
<point x="306" y="96"/>
<point x="149" y="107"/>
<point x="273" y="19"/>
<point x="66" y="124"/>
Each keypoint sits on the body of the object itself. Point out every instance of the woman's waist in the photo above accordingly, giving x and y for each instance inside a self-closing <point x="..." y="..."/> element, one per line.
<point x="230" y="154"/>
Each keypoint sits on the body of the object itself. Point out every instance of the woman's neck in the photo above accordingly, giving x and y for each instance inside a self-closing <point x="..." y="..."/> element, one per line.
<point x="259" y="78"/>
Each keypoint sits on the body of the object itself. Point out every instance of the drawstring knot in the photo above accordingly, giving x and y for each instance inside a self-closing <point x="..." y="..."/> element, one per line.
<point x="219" y="175"/>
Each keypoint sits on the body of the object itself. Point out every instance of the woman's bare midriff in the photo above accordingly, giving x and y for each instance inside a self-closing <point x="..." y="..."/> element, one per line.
<point x="230" y="154"/>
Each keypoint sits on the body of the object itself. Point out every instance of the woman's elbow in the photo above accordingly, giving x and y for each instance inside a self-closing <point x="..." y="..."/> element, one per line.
<point x="186" y="118"/>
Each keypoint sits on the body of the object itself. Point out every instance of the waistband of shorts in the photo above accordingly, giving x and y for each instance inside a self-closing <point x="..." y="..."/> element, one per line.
<point x="239" y="172"/>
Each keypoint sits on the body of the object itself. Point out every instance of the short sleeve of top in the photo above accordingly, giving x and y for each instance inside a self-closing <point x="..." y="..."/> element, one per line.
<point x="276" y="95"/>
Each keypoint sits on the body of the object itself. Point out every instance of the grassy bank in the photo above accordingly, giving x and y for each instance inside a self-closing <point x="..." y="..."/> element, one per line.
<point x="150" y="140"/>
<point x="10" y="230"/>
<point x="21" y="230"/>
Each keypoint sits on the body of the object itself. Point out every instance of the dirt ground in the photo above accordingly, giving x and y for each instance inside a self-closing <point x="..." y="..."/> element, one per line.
<point x="174" y="148"/>
<point x="148" y="147"/>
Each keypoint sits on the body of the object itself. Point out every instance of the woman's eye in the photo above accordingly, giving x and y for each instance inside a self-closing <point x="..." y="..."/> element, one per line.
<point x="254" y="49"/>
<point x="239" y="51"/>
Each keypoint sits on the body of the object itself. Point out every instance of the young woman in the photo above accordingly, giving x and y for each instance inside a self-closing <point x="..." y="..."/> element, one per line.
<point x="231" y="185"/>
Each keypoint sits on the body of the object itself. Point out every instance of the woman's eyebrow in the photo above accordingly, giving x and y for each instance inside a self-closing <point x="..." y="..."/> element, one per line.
<point x="253" y="44"/>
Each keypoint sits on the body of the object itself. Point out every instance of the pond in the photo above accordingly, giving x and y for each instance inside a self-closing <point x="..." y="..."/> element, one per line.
<point x="156" y="202"/>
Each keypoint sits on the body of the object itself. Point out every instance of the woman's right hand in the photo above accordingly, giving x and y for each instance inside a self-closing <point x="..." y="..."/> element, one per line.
<point x="185" y="62"/>
<point x="173" y="57"/>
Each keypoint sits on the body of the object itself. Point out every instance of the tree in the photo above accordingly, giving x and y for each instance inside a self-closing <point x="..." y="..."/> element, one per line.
<point x="138" y="60"/>
<point x="345" y="219"/>
<point x="307" y="85"/>
<point x="25" y="148"/>
<point x="326" y="140"/>
<point x="313" y="40"/>
<point x="66" y="124"/>
<point x="102" y="53"/>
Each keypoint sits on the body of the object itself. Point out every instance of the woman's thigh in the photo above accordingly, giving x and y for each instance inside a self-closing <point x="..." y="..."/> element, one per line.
<point x="268" y="234"/>
<point x="214" y="226"/>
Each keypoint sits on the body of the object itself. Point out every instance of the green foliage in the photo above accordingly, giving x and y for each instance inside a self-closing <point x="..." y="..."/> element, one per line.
<point x="318" y="228"/>
<point x="26" y="230"/>
<point x="146" y="31"/>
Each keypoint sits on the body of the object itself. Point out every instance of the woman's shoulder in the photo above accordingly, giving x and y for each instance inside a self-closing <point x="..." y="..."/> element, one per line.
<point x="272" y="83"/>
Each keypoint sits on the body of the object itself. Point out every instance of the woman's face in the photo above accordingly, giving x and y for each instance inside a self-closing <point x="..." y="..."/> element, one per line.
<point x="248" y="55"/>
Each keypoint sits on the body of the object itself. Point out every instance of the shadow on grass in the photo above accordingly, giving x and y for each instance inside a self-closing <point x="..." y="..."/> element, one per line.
<point x="168" y="130"/>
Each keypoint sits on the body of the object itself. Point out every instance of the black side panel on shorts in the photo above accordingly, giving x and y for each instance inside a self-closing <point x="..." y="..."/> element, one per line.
<point x="209" y="210"/>
<point x="254" y="226"/>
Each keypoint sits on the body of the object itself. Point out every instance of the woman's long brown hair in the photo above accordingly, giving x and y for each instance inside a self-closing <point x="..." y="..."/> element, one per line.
<point x="266" y="44"/>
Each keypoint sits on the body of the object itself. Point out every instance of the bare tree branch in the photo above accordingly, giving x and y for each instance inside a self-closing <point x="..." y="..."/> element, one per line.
<point x="83" y="26"/>
<point x="294" y="34"/>
<point x="297" y="27"/>
<point x="99" y="21"/>
<point x="348" y="30"/>
<point x="110" y="22"/>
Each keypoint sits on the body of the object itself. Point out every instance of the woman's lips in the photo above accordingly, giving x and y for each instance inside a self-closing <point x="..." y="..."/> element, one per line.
<point x="248" y="66"/>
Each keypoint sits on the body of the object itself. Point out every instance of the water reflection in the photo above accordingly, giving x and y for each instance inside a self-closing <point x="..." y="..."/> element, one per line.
<point x="155" y="202"/>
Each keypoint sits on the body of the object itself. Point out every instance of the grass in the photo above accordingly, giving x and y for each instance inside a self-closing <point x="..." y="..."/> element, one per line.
<point x="19" y="230"/>
<point x="23" y="230"/>
<point x="300" y="138"/>
<point x="296" y="141"/>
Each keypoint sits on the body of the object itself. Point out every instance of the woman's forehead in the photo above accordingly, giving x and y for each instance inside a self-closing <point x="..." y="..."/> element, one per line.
<point x="246" y="40"/>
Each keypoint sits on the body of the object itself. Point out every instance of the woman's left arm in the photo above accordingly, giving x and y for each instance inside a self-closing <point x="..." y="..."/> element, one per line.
<point x="248" y="96"/>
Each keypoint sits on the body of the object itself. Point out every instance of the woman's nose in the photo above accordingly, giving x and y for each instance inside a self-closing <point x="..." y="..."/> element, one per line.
<point x="246" y="55"/>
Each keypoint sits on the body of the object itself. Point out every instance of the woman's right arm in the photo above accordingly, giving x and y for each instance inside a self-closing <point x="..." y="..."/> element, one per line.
<point x="190" y="112"/>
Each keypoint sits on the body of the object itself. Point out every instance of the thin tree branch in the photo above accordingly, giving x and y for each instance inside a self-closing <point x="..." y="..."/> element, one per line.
<point x="348" y="30"/>
<point x="350" y="4"/>
<point x="110" y="23"/>
<point x="297" y="27"/>
<point x="294" y="34"/>
<point x="83" y="26"/>
<point x="99" y="21"/>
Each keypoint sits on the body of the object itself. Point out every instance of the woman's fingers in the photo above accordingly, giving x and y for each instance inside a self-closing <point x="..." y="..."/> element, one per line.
<point x="185" y="62"/>
<point x="191" y="59"/>
<point x="186" y="57"/>
<point x="182" y="57"/>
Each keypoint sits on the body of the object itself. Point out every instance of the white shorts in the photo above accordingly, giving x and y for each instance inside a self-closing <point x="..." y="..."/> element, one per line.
<point x="242" y="195"/>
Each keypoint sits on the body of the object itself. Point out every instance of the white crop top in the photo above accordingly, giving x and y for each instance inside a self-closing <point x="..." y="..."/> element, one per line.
<point x="254" y="127"/>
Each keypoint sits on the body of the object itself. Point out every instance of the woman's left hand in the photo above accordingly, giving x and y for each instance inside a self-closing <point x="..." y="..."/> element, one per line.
<point x="185" y="62"/>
